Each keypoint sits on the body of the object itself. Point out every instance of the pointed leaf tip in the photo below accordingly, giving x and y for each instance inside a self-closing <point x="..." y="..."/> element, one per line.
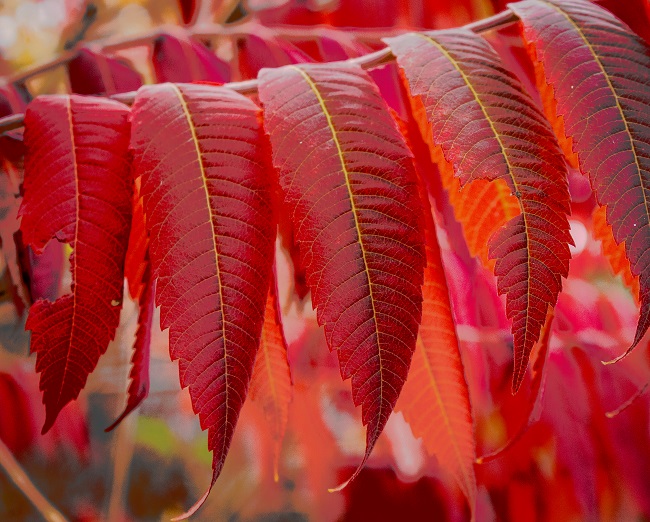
<point x="209" y="212"/>
<point x="509" y="141"/>
<point x="194" y="508"/>
<point x="365" y="273"/>
<point x="571" y="40"/>
<point x="76" y="163"/>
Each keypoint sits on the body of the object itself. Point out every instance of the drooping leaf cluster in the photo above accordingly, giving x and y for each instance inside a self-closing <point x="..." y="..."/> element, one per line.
<point x="183" y="194"/>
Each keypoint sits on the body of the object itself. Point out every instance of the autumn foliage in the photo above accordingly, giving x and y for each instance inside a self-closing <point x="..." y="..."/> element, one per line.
<point x="377" y="178"/>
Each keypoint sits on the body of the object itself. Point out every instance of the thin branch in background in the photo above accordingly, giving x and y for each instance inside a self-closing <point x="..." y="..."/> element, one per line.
<point x="367" y="61"/>
<point x="18" y="476"/>
<point x="223" y="11"/>
<point x="88" y="19"/>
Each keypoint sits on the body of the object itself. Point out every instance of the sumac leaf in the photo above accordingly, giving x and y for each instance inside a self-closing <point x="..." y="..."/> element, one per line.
<point x="597" y="72"/>
<point x="139" y="387"/>
<point x="435" y="398"/>
<point x="271" y="379"/>
<point x="188" y="10"/>
<point x="77" y="190"/>
<point x="487" y="128"/>
<point x="349" y="182"/>
<point x="176" y="58"/>
<point x="533" y="410"/>
<point x="615" y="253"/>
<point x="263" y="49"/>
<point x="207" y="188"/>
<point x="94" y="73"/>
<point x="137" y="261"/>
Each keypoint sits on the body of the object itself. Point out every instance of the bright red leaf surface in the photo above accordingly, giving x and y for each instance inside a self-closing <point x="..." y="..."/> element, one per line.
<point x="499" y="135"/>
<point x="597" y="72"/>
<point x="137" y="256"/>
<point x="358" y="222"/>
<point x="207" y="188"/>
<point x="77" y="190"/>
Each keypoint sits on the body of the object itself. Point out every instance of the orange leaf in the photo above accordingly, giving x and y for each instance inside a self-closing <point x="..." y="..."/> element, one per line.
<point x="615" y="253"/>
<point x="435" y="398"/>
<point x="271" y="380"/>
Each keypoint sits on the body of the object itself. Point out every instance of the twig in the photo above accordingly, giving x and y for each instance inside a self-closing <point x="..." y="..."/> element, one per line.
<point x="89" y="17"/>
<point x="26" y="486"/>
<point x="224" y="10"/>
<point x="367" y="61"/>
<point x="296" y="33"/>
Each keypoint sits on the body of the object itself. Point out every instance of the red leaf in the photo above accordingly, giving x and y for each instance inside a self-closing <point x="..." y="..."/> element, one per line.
<point x="136" y="261"/>
<point x="263" y="49"/>
<point x="271" y="379"/>
<point x="176" y="58"/>
<point x="188" y="10"/>
<point x="435" y="398"/>
<point x="600" y="119"/>
<point x="139" y="387"/>
<point x="77" y="190"/>
<point x="94" y="73"/>
<point x="350" y="185"/>
<point x="498" y="135"/>
<point x="207" y="189"/>
<point x="614" y="253"/>
<point x="533" y="410"/>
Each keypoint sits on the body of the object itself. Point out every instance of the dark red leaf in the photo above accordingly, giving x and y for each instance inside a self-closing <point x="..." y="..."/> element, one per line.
<point x="92" y="72"/>
<point x="349" y="182"/>
<point x="176" y="58"/>
<point x="136" y="261"/>
<point x="188" y="10"/>
<point x="594" y="74"/>
<point x="207" y="188"/>
<point x="499" y="135"/>
<point x="263" y="49"/>
<point x="78" y="191"/>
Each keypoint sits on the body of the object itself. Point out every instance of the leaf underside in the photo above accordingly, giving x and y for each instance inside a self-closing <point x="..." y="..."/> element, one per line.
<point x="271" y="379"/>
<point x="207" y="190"/>
<point x="77" y="190"/>
<point x="598" y="71"/>
<point x="139" y="374"/>
<point x="498" y="135"/>
<point x="614" y="253"/>
<point x="349" y="183"/>
<point x="435" y="398"/>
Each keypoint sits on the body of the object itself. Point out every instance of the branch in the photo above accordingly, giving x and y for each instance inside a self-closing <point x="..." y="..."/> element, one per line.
<point x="367" y="61"/>
<point x="21" y="480"/>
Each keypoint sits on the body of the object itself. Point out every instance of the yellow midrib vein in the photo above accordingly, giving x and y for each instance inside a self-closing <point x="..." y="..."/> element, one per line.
<point x="616" y="99"/>
<point x="204" y="178"/>
<point x="348" y="185"/>
<point x="505" y="157"/>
